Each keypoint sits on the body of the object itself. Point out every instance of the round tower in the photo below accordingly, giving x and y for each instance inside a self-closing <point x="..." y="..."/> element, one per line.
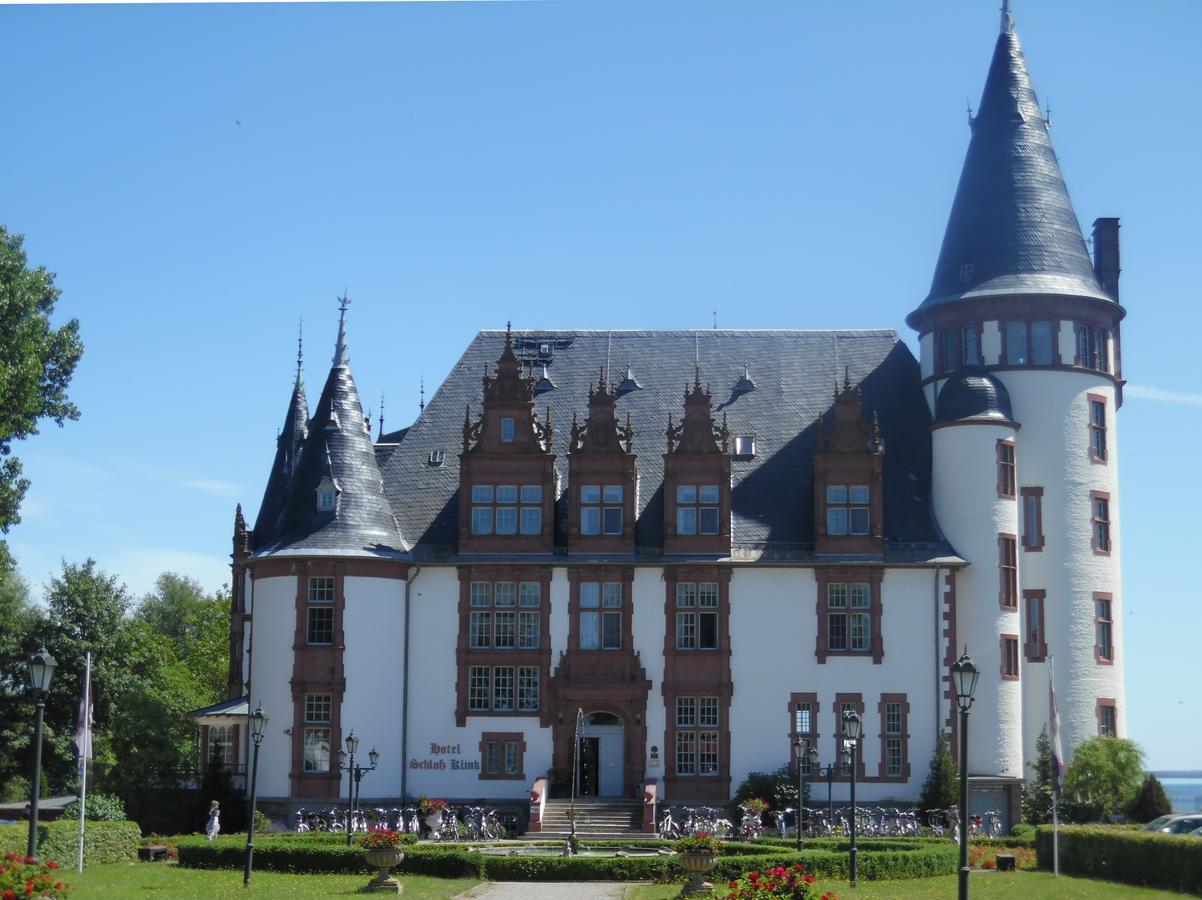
<point x="1022" y="325"/>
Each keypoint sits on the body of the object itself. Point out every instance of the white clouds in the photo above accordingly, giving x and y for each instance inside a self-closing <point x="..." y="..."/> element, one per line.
<point x="1147" y="392"/>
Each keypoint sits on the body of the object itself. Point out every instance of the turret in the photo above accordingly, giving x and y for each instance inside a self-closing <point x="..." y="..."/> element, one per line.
<point x="290" y="444"/>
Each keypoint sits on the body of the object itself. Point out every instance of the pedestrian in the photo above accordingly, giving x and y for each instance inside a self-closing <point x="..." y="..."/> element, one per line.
<point x="213" y="826"/>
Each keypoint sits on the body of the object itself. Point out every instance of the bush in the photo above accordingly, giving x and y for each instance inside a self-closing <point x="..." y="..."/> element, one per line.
<point x="1119" y="854"/>
<point x="1024" y="831"/>
<point x="1102" y="778"/>
<point x="1150" y="802"/>
<point x="778" y="788"/>
<point x="99" y="808"/>
<point x="20" y="877"/>
<point x="940" y="790"/>
<point x="104" y="842"/>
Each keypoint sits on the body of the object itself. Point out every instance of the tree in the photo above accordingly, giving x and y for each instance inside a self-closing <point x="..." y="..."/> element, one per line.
<point x="1102" y="778"/>
<point x="36" y="364"/>
<point x="22" y="621"/>
<point x="940" y="790"/>
<point x="1037" y="795"/>
<point x="196" y="624"/>
<point x="1150" y="801"/>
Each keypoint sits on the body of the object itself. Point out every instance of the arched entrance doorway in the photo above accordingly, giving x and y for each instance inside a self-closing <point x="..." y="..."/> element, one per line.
<point x="601" y="759"/>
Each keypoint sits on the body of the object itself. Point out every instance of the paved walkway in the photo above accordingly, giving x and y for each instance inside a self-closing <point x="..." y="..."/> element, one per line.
<point x="546" y="890"/>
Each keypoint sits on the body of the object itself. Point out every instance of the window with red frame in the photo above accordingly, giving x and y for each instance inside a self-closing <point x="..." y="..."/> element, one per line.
<point x="1100" y="521"/>
<point x="1005" y="468"/>
<point x="1104" y="629"/>
<point x="1007" y="571"/>
<point x="1009" y="656"/>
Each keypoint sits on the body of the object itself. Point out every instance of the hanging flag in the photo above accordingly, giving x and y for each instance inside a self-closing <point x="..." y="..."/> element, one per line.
<point x="84" y="722"/>
<point x="1054" y="734"/>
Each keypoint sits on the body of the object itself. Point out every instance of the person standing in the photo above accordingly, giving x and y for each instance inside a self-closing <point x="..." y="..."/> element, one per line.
<point x="213" y="826"/>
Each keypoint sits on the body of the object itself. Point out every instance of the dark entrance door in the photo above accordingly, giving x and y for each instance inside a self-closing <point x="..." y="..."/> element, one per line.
<point x="590" y="748"/>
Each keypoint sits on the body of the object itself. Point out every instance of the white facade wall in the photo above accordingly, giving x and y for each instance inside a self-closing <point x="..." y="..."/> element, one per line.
<point x="647" y="630"/>
<point x="1053" y="453"/>
<point x="972" y="515"/>
<point x="272" y="627"/>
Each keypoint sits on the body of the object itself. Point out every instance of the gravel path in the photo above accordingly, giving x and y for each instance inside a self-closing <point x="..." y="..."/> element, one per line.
<point x="545" y="890"/>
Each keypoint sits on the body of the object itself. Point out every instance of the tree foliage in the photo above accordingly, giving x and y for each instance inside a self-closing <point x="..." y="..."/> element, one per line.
<point x="778" y="788"/>
<point x="36" y="364"/>
<point x="1037" y="794"/>
<point x="1102" y="778"/>
<point x="940" y="790"/>
<point x="1150" y="802"/>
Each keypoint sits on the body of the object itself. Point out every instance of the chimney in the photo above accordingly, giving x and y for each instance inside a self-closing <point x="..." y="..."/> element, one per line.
<point x="1106" y="255"/>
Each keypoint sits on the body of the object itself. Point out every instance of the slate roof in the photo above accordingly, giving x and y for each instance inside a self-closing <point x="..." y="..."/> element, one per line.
<point x="338" y="446"/>
<point x="289" y="446"/>
<point x="1012" y="221"/>
<point x="972" y="394"/>
<point x="794" y="373"/>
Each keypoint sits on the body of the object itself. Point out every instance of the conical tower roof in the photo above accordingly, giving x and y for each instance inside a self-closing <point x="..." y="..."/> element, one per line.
<point x="338" y="451"/>
<point x="1012" y="229"/>
<point x="289" y="448"/>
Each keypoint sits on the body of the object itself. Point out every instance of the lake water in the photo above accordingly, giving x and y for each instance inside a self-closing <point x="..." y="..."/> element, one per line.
<point x="1184" y="793"/>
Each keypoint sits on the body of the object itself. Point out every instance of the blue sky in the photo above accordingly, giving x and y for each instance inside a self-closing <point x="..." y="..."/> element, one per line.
<point x="200" y="177"/>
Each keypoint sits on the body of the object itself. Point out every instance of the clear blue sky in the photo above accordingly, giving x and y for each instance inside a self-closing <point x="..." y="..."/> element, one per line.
<point x="201" y="176"/>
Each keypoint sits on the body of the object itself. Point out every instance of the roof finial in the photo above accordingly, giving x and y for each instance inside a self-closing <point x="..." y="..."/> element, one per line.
<point x="340" y="356"/>
<point x="715" y="320"/>
<point x="421" y="403"/>
<point x="300" y="351"/>
<point x="381" y="415"/>
<point x="1007" y="18"/>
<point x="509" y="334"/>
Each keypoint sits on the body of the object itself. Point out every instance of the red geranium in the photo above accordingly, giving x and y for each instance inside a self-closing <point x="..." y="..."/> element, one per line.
<point x="780" y="883"/>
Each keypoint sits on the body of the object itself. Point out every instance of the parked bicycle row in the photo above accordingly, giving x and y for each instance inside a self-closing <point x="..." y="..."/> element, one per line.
<point x="677" y="821"/>
<point x="472" y="823"/>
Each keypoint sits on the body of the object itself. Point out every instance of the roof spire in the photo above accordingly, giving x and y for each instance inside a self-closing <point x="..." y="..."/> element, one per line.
<point x="340" y="355"/>
<point x="421" y="403"/>
<point x="300" y="351"/>
<point x="1007" y="18"/>
<point x="381" y="415"/>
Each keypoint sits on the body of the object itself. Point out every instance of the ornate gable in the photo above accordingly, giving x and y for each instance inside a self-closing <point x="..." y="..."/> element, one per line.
<point x="848" y="506"/>
<point x="697" y="479"/>
<point x="602" y="477"/>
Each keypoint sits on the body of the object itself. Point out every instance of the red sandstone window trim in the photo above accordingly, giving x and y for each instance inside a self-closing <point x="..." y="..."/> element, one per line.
<point x="1098" y="415"/>
<point x="1009" y="668"/>
<point x="1101" y="540"/>
<point x="1103" y="632"/>
<point x="1006" y="470"/>
<point x="827" y="577"/>
<point x="1106" y="708"/>
<point x="495" y="760"/>
<point x="902" y="736"/>
<point x="1007" y="566"/>
<point x="797" y="702"/>
<point x="1032" y="519"/>
<point x="1035" y="647"/>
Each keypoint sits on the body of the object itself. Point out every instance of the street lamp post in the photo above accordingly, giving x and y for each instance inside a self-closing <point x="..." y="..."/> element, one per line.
<point x="257" y="723"/>
<point x="355" y="775"/>
<point x="852" y="726"/>
<point x="802" y="752"/>
<point x="41" y="670"/>
<point x="964" y="680"/>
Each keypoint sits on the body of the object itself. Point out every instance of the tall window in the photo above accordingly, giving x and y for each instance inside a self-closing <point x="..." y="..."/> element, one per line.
<point x="1097" y="430"/>
<point x="1009" y="656"/>
<point x="1103" y="629"/>
<point x="601" y="509"/>
<point x="893" y="736"/>
<point x="1093" y="348"/>
<point x="847" y="509"/>
<point x="600" y="615"/>
<point x="959" y="348"/>
<point x="507" y="429"/>
<point x="221" y="744"/>
<point x="501" y="754"/>
<point x="1036" y="644"/>
<point x="697" y="507"/>
<point x="497" y="622"/>
<point x="805" y="727"/>
<point x="317" y="732"/>
<point x="1108" y="720"/>
<point x="1042" y="344"/>
<point x="1007" y="572"/>
<point x="1005" y="468"/>
<point x="841" y="707"/>
<point x="502" y="688"/>
<point x="1100" y="503"/>
<point x="1032" y="518"/>
<point x="319" y="624"/>
<point x="697" y="616"/>
<point x="507" y="509"/>
<point x="849" y="617"/>
<point x="697" y="736"/>
<point x="1016" y="344"/>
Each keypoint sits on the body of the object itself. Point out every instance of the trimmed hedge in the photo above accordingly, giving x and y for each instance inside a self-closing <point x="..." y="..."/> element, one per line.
<point x="1133" y="857"/>
<point x="104" y="842"/>
<point x="879" y="859"/>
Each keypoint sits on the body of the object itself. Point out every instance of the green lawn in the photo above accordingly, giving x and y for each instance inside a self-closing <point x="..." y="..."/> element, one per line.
<point x="169" y="880"/>
<point x="982" y="886"/>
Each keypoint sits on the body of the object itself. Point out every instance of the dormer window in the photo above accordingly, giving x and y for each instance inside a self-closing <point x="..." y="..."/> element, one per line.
<point x="697" y="508"/>
<point x="327" y="496"/>
<point x="507" y="509"/>
<point x="601" y="509"/>
<point x="508" y="429"/>
<point x="745" y="446"/>
<point x="847" y="509"/>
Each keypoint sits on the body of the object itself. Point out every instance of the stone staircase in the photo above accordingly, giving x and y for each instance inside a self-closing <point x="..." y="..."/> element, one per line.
<point x="597" y="819"/>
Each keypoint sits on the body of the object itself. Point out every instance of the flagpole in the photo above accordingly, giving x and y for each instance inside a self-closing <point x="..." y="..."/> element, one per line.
<point x="1056" y="773"/>
<point x="84" y="754"/>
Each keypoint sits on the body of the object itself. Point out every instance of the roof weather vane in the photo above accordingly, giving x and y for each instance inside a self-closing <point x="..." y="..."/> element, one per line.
<point x="1007" y="18"/>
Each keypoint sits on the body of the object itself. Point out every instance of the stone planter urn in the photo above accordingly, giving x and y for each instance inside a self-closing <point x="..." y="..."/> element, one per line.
<point x="697" y="862"/>
<point x="434" y="823"/>
<point x="383" y="859"/>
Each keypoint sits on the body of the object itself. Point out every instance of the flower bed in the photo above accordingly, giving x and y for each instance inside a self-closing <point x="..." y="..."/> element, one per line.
<point x="20" y="876"/>
<point x="780" y="883"/>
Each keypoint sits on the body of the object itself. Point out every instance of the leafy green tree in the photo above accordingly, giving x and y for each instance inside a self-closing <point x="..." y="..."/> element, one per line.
<point x="197" y="626"/>
<point x="1037" y="794"/>
<point x="1102" y="778"/>
<point x="1150" y="802"/>
<point x="36" y="364"/>
<point x="941" y="789"/>
<point x="22" y="622"/>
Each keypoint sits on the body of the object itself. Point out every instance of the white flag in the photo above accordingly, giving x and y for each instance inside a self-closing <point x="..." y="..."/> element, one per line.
<point x="1054" y="734"/>
<point x="84" y="722"/>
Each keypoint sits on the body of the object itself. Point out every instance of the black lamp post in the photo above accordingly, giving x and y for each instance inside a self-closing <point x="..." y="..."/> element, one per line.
<point x="802" y="753"/>
<point x="257" y="723"/>
<point x="355" y="774"/>
<point x="964" y="680"/>
<point x="41" y="670"/>
<point x="852" y="726"/>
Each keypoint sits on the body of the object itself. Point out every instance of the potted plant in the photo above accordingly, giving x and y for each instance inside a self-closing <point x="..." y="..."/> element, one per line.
<point x="697" y="853"/>
<point x="431" y="810"/>
<point x="383" y="852"/>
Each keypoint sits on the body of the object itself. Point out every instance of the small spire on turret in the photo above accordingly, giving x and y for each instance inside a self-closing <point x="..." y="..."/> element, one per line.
<point x="381" y="416"/>
<point x="340" y="355"/>
<point x="1007" y="18"/>
<point x="300" y="352"/>
<point x="421" y="403"/>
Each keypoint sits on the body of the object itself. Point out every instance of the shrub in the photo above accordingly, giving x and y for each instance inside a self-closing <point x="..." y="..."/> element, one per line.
<point x="778" y="788"/>
<point x="99" y="808"/>
<point x="940" y="790"/>
<point x="1037" y="793"/>
<point x="779" y="883"/>
<point x="20" y="876"/>
<point x="1102" y="778"/>
<point x="104" y="842"/>
<point x="1150" y="801"/>
<point x="1120" y="854"/>
<point x="1024" y="831"/>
